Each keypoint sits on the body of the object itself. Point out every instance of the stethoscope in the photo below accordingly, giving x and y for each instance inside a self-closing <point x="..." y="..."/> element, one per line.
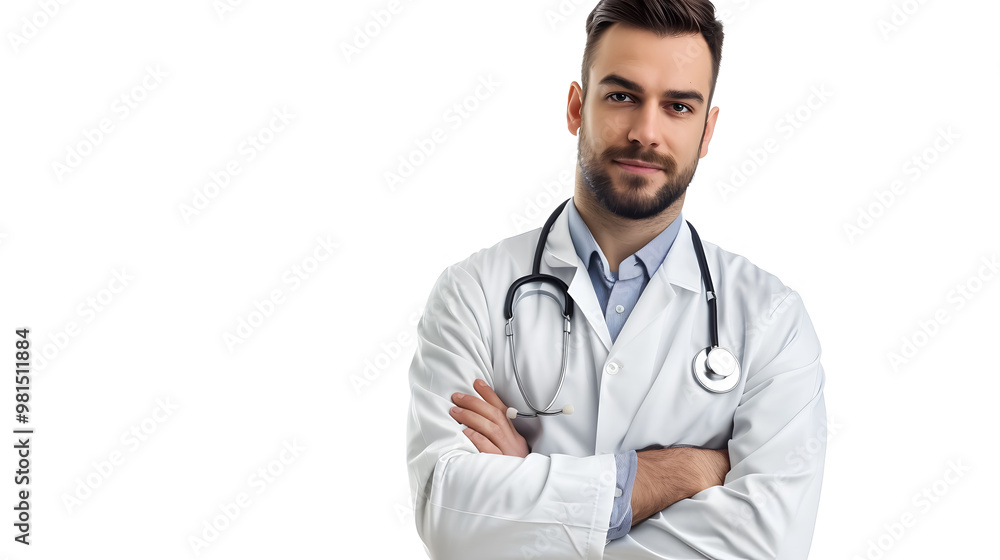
<point x="715" y="368"/>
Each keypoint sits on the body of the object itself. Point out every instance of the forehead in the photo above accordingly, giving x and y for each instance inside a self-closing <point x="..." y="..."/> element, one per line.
<point x="656" y="63"/>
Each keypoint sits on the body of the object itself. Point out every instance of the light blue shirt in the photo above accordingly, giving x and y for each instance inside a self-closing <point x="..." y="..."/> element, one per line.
<point x="618" y="293"/>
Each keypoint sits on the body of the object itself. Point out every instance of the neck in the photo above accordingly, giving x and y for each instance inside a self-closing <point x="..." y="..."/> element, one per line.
<point x="620" y="237"/>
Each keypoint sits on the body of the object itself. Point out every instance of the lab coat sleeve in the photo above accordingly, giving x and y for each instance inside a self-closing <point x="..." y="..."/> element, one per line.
<point x="469" y="504"/>
<point x="768" y="504"/>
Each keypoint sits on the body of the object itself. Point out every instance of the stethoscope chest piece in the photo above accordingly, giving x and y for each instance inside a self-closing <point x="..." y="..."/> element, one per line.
<point x="717" y="370"/>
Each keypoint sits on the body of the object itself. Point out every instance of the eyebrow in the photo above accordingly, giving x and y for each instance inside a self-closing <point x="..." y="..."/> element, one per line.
<point x="616" y="80"/>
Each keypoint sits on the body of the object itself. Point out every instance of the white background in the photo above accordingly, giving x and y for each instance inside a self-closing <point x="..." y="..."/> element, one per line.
<point x="299" y="375"/>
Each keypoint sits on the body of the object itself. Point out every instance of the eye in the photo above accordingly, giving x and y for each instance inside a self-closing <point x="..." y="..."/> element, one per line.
<point x="683" y="108"/>
<point x="610" y="95"/>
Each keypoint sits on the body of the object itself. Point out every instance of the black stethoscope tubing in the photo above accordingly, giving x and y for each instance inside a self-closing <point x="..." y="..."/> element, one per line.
<point x="537" y="276"/>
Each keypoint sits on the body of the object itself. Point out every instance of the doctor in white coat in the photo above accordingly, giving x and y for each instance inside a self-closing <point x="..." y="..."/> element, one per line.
<point x="735" y="474"/>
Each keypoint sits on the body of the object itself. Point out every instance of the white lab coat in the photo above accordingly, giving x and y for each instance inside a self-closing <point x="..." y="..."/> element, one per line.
<point x="638" y="393"/>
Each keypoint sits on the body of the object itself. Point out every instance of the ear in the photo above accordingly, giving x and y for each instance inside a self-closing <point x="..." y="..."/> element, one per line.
<point x="713" y="115"/>
<point x="574" y="107"/>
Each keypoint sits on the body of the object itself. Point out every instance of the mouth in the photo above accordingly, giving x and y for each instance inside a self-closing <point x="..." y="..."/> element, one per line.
<point x="637" y="166"/>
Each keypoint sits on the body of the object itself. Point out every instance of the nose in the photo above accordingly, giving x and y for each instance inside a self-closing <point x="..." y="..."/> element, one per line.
<point x="645" y="126"/>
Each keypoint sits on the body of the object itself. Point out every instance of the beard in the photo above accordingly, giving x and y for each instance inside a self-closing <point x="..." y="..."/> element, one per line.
<point x="632" y="202"/>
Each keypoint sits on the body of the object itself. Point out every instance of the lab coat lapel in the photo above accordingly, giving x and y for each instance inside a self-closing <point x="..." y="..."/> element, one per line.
<point x="679" y="268"/>
<point x="563" y="262"/>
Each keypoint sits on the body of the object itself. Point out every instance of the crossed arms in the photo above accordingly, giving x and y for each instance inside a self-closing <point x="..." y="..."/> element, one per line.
<point x="471" y="500"/>
<point x="663" y="476"/>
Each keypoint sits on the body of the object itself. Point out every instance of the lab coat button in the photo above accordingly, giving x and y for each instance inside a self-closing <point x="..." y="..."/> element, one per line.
<point x="620" y="308"/>
<point x="612" y="368"/>
<point x="618" y="492"/>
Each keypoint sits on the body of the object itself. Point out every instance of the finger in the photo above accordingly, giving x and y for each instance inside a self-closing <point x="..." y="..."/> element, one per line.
<point x="482" y="443"/>
<point x="479" y="423"/>
<point x="485" y="391"/>
<point x="481" y="407"/>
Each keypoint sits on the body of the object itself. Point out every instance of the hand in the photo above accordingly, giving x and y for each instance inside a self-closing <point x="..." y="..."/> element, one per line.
<point x="488" y="426"/>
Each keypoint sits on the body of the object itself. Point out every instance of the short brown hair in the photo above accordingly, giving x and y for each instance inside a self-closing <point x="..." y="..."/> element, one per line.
<point x="663" y="17"/>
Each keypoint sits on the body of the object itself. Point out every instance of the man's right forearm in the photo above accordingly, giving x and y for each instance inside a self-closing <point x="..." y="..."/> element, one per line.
<point x="666" y="476"/>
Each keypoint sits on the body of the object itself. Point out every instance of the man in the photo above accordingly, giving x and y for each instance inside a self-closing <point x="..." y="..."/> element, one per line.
<point x="650" y="464"/>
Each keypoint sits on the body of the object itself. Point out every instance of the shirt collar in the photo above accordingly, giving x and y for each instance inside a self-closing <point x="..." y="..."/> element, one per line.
<point x="650" y="256"/>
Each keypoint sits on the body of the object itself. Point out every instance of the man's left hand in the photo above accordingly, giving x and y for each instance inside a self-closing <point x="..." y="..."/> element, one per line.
<point x="488" y="426"/>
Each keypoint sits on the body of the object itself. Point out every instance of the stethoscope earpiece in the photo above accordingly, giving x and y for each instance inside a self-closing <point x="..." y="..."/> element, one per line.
<point x="512" y="412"/>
